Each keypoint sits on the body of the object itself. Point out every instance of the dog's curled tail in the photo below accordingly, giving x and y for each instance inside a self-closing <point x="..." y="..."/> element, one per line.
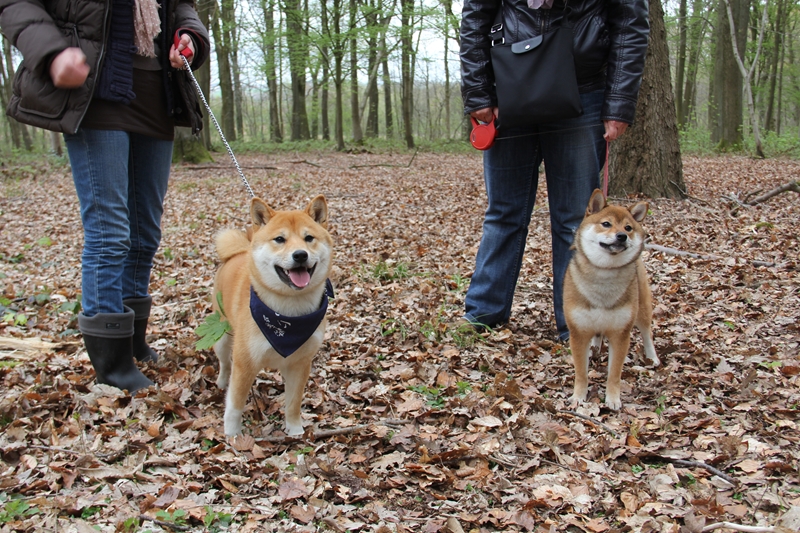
<point x="230" y="242"/>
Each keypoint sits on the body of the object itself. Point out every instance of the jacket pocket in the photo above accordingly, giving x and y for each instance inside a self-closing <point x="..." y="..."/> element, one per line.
<point x="39" y="97"/>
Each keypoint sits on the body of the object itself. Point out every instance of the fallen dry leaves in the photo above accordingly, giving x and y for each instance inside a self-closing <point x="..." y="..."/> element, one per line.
<point x="414" y="426"/>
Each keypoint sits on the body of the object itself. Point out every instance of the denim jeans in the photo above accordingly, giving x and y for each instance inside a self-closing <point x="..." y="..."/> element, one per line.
<point x="121" y="180"/>
<point x="573" y="152"/>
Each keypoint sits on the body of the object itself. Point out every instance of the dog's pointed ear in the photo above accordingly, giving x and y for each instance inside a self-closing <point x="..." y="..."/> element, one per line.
<point x="318" y="210"/>
<point x="639" y="211"/>
<point x="260" y="212"/>
<point x="596" y="203"/>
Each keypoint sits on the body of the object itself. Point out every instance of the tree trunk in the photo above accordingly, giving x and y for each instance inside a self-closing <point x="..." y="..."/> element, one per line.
<point x="680" y="68"/>
<point x="697" y="32"/>
<point x="19" y="132"/>
<point x="297" y="43"/>
<point x="387" y="93"/>
<point x="747" y="73"/>
<point x="372" y="95"/>
<point x="358" y="135"/>
<point x="778" y="29"/>
<point x="326" y="127"/>
<point x="189" y="148"/>
<point x="338" y="80"/>
<point x="228" y="121"/>
<point x="203" y="74"/>
<point x="727" y="109"/>
<point x="647" y="159"/>
<point x="269" y="47"/>
<point x="407" y="51"/>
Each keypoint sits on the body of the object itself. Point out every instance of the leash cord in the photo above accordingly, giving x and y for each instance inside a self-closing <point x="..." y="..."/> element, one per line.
<point x="219" y="129"/>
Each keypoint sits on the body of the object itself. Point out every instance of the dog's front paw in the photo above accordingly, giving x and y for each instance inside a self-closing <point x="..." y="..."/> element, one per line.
<point x="577" y="399"/>
<point x="222" y="381"/>
<point x="293" y="430"/>
<point x="613" y="402"/>
<point x="233" y="422"/>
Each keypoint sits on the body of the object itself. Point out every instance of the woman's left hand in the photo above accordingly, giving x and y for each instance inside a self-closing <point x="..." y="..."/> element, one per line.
<point x="174" y="53"/>
<point x="614" y="129"/>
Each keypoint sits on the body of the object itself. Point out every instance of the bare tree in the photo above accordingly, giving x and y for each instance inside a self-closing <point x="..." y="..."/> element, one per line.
<point x="747" y="73"/>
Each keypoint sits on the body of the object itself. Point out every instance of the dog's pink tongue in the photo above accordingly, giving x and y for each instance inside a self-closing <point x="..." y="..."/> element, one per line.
<point x="300" y="277"/>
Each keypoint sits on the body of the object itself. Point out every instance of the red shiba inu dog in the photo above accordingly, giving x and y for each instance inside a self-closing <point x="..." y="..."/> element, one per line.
<point x="606" y="292"/>
<point x="274" y="286"/>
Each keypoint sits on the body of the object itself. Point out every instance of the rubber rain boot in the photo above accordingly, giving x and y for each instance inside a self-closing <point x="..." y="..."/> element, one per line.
<point x="141" y="312"/>
<point x="108" y="340"/>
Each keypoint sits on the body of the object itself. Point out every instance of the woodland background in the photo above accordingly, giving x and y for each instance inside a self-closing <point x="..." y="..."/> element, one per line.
<point x="347" y="72"/>
<point x="414" y="424"/>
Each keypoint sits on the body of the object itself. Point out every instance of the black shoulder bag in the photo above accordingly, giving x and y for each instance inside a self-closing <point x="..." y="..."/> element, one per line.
<point x="535" y="79"/>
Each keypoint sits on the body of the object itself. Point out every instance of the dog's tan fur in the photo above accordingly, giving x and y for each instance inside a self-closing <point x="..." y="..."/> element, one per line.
<point x="606" y="292"/>
<point x="255" y="258"/>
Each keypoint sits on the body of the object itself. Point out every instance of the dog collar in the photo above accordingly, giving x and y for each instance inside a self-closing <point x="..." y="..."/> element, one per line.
<point x="288" y="333"/>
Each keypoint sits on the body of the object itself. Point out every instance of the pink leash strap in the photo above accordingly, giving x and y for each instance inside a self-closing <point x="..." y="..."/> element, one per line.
<point x="605" y="174"/>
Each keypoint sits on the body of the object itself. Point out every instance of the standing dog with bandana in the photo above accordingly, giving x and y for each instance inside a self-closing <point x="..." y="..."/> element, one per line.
<point x="274" y="290"/>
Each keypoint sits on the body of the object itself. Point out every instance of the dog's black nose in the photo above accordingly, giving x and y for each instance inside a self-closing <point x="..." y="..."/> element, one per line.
<point x="622" y="237"/>
<point x="300" y="256"/>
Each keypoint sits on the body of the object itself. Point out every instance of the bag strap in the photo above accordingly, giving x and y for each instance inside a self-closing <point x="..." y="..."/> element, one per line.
<point x="498" y="28"/>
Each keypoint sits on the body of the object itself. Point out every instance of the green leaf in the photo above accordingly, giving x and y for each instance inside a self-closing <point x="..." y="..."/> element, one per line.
<point x="212" y="329"/>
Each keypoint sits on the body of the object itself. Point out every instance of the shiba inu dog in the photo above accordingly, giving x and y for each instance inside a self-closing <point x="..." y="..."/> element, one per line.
<point x="606" y="292"/>
<point x="274" y="286"/>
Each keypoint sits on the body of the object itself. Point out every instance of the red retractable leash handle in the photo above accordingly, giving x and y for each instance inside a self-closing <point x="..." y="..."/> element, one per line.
<point x="483" y="135"/>
<point x="186" y="52"/>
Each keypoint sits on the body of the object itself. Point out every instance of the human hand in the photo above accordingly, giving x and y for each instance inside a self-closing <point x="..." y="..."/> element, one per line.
<point x="175" y="52"/>
<point x="485" y="115"/>
<point x="614" y="129"/>
<point x="69" y="69"/>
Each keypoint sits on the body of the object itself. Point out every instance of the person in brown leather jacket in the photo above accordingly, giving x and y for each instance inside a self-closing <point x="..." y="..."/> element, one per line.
<point x="610" y="44"/>
<point x="109" y="75"/>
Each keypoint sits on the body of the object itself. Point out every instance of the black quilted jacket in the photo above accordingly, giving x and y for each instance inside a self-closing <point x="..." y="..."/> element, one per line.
<point x="40" y="29"/>
<point x="610" y="44"/>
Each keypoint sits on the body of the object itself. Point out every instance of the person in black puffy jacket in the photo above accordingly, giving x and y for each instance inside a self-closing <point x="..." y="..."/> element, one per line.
<point x="109" y="75"/>
<point x="609" y="48"/>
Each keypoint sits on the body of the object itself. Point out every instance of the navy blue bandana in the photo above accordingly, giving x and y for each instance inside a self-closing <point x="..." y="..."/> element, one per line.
<point x="288" y="333"/>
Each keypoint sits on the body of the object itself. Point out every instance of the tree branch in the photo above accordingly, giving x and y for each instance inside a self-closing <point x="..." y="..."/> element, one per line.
<point x="738" y="527"/>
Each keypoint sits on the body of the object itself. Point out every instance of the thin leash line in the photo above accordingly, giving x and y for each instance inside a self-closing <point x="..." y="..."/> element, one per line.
<point x="219" y="129"/>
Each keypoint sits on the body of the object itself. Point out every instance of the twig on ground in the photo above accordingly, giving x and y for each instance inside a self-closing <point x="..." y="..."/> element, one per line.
<point x="592" y="420"/>
<point x="681" y="253"/>
<point x="162" y="523"/>
<point x="307" y="162"/>
<point x="793" y="186"/>
<point x="328" y="433"/>
<point x="697" y="464"/>
<point x="739" y="527"/>
<point x="76" y="453"/>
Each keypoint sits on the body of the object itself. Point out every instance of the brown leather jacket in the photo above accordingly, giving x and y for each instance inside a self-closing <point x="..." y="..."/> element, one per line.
<point x="41" y="29"/>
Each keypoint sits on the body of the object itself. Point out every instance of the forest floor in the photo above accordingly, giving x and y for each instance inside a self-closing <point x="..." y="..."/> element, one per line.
<point x="435" y="430"/>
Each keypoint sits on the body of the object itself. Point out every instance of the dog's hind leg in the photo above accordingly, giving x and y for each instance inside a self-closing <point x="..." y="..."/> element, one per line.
<point x="647" y="343"/>
<point x="581" y="346"/>
<point x="618" y="345"/>
<point x="295" y="377"/>
<point x="223" y="350"/>
<point x="243" y="375"/>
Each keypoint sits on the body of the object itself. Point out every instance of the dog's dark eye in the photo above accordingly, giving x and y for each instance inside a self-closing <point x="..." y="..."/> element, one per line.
<point x="280" y="239"/>
<point x="606" y="224"/>
<point x="309" y="238"/>
<point x="628" y="228"/>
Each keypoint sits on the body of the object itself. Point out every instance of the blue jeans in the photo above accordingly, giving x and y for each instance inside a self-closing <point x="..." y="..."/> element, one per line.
<point x="573" y="151"/>
<point x="121" y="180"/>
